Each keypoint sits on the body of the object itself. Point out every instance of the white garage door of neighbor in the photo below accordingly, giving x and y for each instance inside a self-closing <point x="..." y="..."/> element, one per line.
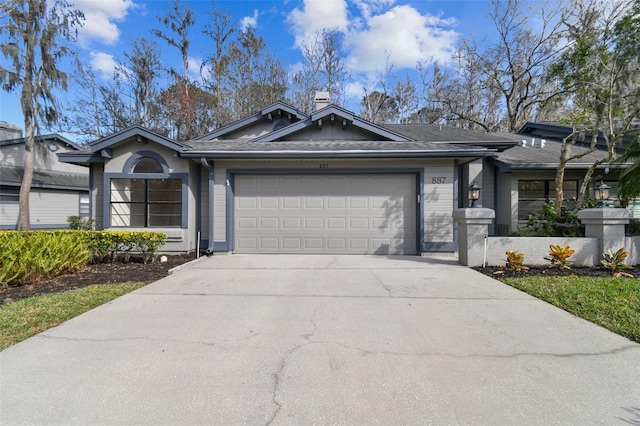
<point x="335" y="214"/>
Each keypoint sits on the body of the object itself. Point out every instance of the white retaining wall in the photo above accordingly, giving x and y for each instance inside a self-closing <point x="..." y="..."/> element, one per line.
<point x="535" y="249"/>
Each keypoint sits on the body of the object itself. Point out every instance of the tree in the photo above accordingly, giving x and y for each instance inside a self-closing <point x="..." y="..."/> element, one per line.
<point x="142" y="71"/>
<point x="323" y="69"/>
<point x="129" y="98"/>
<point x="178" y="21"/>
<point x="34" y="34"/>
<point x="215" y="78"/>
<point x="254" y="76"/>
<point x="600" y="71"/>
<point x="501" y="85"/>
<point x="629" y="184"/>
<point x="200" y="104"/>
<point x="379" y="108"/>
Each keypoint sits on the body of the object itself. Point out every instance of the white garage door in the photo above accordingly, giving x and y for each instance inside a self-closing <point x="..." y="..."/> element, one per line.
<point x="355" y="214"/>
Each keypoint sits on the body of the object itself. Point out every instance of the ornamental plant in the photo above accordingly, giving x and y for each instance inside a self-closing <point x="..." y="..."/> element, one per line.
<point x="515" y="261"/>
<point x="559" y="256"/>
<point x="615" y="261"/>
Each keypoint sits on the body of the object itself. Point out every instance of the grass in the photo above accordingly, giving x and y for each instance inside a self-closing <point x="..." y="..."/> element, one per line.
<point x="28" y="317"/>
<point x="613" y="303"/>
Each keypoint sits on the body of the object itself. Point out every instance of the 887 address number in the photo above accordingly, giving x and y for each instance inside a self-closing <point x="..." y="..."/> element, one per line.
<point x="438" y="180"/>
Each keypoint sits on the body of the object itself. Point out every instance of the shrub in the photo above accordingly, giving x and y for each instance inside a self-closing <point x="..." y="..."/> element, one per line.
<point x="29" y="256"/>
<point x="615" y="261"/>
<point x="515" y="261"/>
<point x="33" y="255"/>
<point x="559" y="256"/>
<point x="81" y="223"/>
<point x="108" y="245"/>
<point x="548" y="223"/>
<point x="148" y="243"/>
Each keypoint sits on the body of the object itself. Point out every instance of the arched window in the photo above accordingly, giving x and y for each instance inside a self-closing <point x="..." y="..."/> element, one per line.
<point x="147" y="196"/>
<point x="147" y="165"/>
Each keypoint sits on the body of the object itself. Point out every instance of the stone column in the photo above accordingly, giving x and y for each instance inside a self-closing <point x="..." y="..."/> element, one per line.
<point x="607" y="225"/>
<point x="473" y="228"/>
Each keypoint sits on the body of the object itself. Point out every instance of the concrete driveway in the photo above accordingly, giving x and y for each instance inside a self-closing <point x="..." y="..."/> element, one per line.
<point x="297" y="340"/>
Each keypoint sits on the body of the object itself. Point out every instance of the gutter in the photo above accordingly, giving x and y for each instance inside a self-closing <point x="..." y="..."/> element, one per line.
<point x="210" y="188"/>
<point x="239" y="155"/>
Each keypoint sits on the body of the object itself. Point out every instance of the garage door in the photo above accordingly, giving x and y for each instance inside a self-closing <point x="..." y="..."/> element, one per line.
<point x="338" y="214"/>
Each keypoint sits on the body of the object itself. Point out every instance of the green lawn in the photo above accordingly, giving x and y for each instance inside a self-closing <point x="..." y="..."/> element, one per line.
<point x="28" y="317"/>
<point x="613" y="303"/>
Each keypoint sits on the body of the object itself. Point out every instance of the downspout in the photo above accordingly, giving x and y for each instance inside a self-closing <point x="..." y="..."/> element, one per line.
<point x="210" y="187"/>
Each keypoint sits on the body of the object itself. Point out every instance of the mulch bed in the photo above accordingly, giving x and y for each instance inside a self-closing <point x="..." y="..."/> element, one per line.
<point x="136" y="271"/>
<point x="499" y="272"/>
<point x="100" y="273"/>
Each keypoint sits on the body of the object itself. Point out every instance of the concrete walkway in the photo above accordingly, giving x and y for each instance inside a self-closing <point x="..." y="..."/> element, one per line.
<point x="296" y="340"/>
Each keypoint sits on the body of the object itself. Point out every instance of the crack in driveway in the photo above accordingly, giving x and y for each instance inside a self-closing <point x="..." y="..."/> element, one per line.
<point x="488" y="356"/>
<point x="123" y="339"/>
<point x="283" y="363"/>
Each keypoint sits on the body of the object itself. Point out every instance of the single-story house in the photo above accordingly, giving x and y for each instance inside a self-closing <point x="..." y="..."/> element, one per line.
<point x="59" y="190"/>
<point x="281" y="181"/>
<point x="517" y="181"/>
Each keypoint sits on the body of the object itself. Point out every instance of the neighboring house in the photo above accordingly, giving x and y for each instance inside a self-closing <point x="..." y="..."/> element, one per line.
<point x="520" y="179"/>
<point x="282" y="181"/>
<point x="59" y="190"/>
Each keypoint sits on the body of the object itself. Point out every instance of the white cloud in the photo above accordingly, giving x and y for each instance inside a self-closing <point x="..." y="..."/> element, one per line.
<point x="376" y="29"/>
<point x="250" y="21"/>
<point x="100" y="20"/>
<point x="103" y="63"/>
<point x="194" y="70"/>
<point x="405" y="35"/>
<point x="317" y="15"/>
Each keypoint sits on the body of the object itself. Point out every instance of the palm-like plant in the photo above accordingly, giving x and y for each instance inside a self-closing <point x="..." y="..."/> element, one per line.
<point x="629" y="184"/>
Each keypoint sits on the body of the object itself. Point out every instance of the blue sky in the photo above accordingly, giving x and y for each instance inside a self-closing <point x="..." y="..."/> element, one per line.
<point x="403" y="31"/>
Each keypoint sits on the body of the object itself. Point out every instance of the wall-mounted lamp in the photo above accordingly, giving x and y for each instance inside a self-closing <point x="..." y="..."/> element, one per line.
<point x="601" y="192"/>
<point x="474" y="194"/>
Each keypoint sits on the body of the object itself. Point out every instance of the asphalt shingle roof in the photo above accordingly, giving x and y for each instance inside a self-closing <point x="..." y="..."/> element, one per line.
<point x="545" y="157"/>
<point x="438" y="133"/>
<point x="45" y="178"/>
<point x="245" y="145"/>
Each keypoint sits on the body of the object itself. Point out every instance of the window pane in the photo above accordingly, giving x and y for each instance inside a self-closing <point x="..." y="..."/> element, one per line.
<point x="84" y="205"/>
<point x="165" y="190"/>
<point x="526" y="208"/>
<point x="531" y="189"/>
<point x="126" y="190"/>
<point x="147" y="165"/>
<point x="8" y="194"/>
<point x="146" y="202"/>
<point x="165" y="215"/>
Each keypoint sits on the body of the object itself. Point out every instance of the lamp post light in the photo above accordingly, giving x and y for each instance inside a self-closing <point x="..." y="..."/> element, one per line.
<point x="601" y="192"/>
<point x="474" y="194"/>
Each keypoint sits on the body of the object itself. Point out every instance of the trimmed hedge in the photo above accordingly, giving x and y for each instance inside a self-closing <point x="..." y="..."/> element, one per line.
<point x="33" y="255"/>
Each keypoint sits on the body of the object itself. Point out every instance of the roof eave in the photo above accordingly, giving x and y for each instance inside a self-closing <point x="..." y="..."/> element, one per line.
<point x="335" y="154"/>
<point x="83" y="159"/>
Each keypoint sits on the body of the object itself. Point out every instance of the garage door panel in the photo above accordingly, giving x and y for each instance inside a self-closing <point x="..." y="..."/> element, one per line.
<point x="313" y="244"/>
<point x="314" y="223"/>
<point x="269" y="243"/>
<point x="292" y="223"/>
<point x="336" y="203"/>
<point x="325" y="214"/>
<point x="269" y="223"/>
<point x="313" y="202"/>
<point x="291" y="202"/>
<point x="339" y="223"/>
<point x="268" y="202"/>
<point x="339" y="244"/>
<point x="292" y="243"/>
